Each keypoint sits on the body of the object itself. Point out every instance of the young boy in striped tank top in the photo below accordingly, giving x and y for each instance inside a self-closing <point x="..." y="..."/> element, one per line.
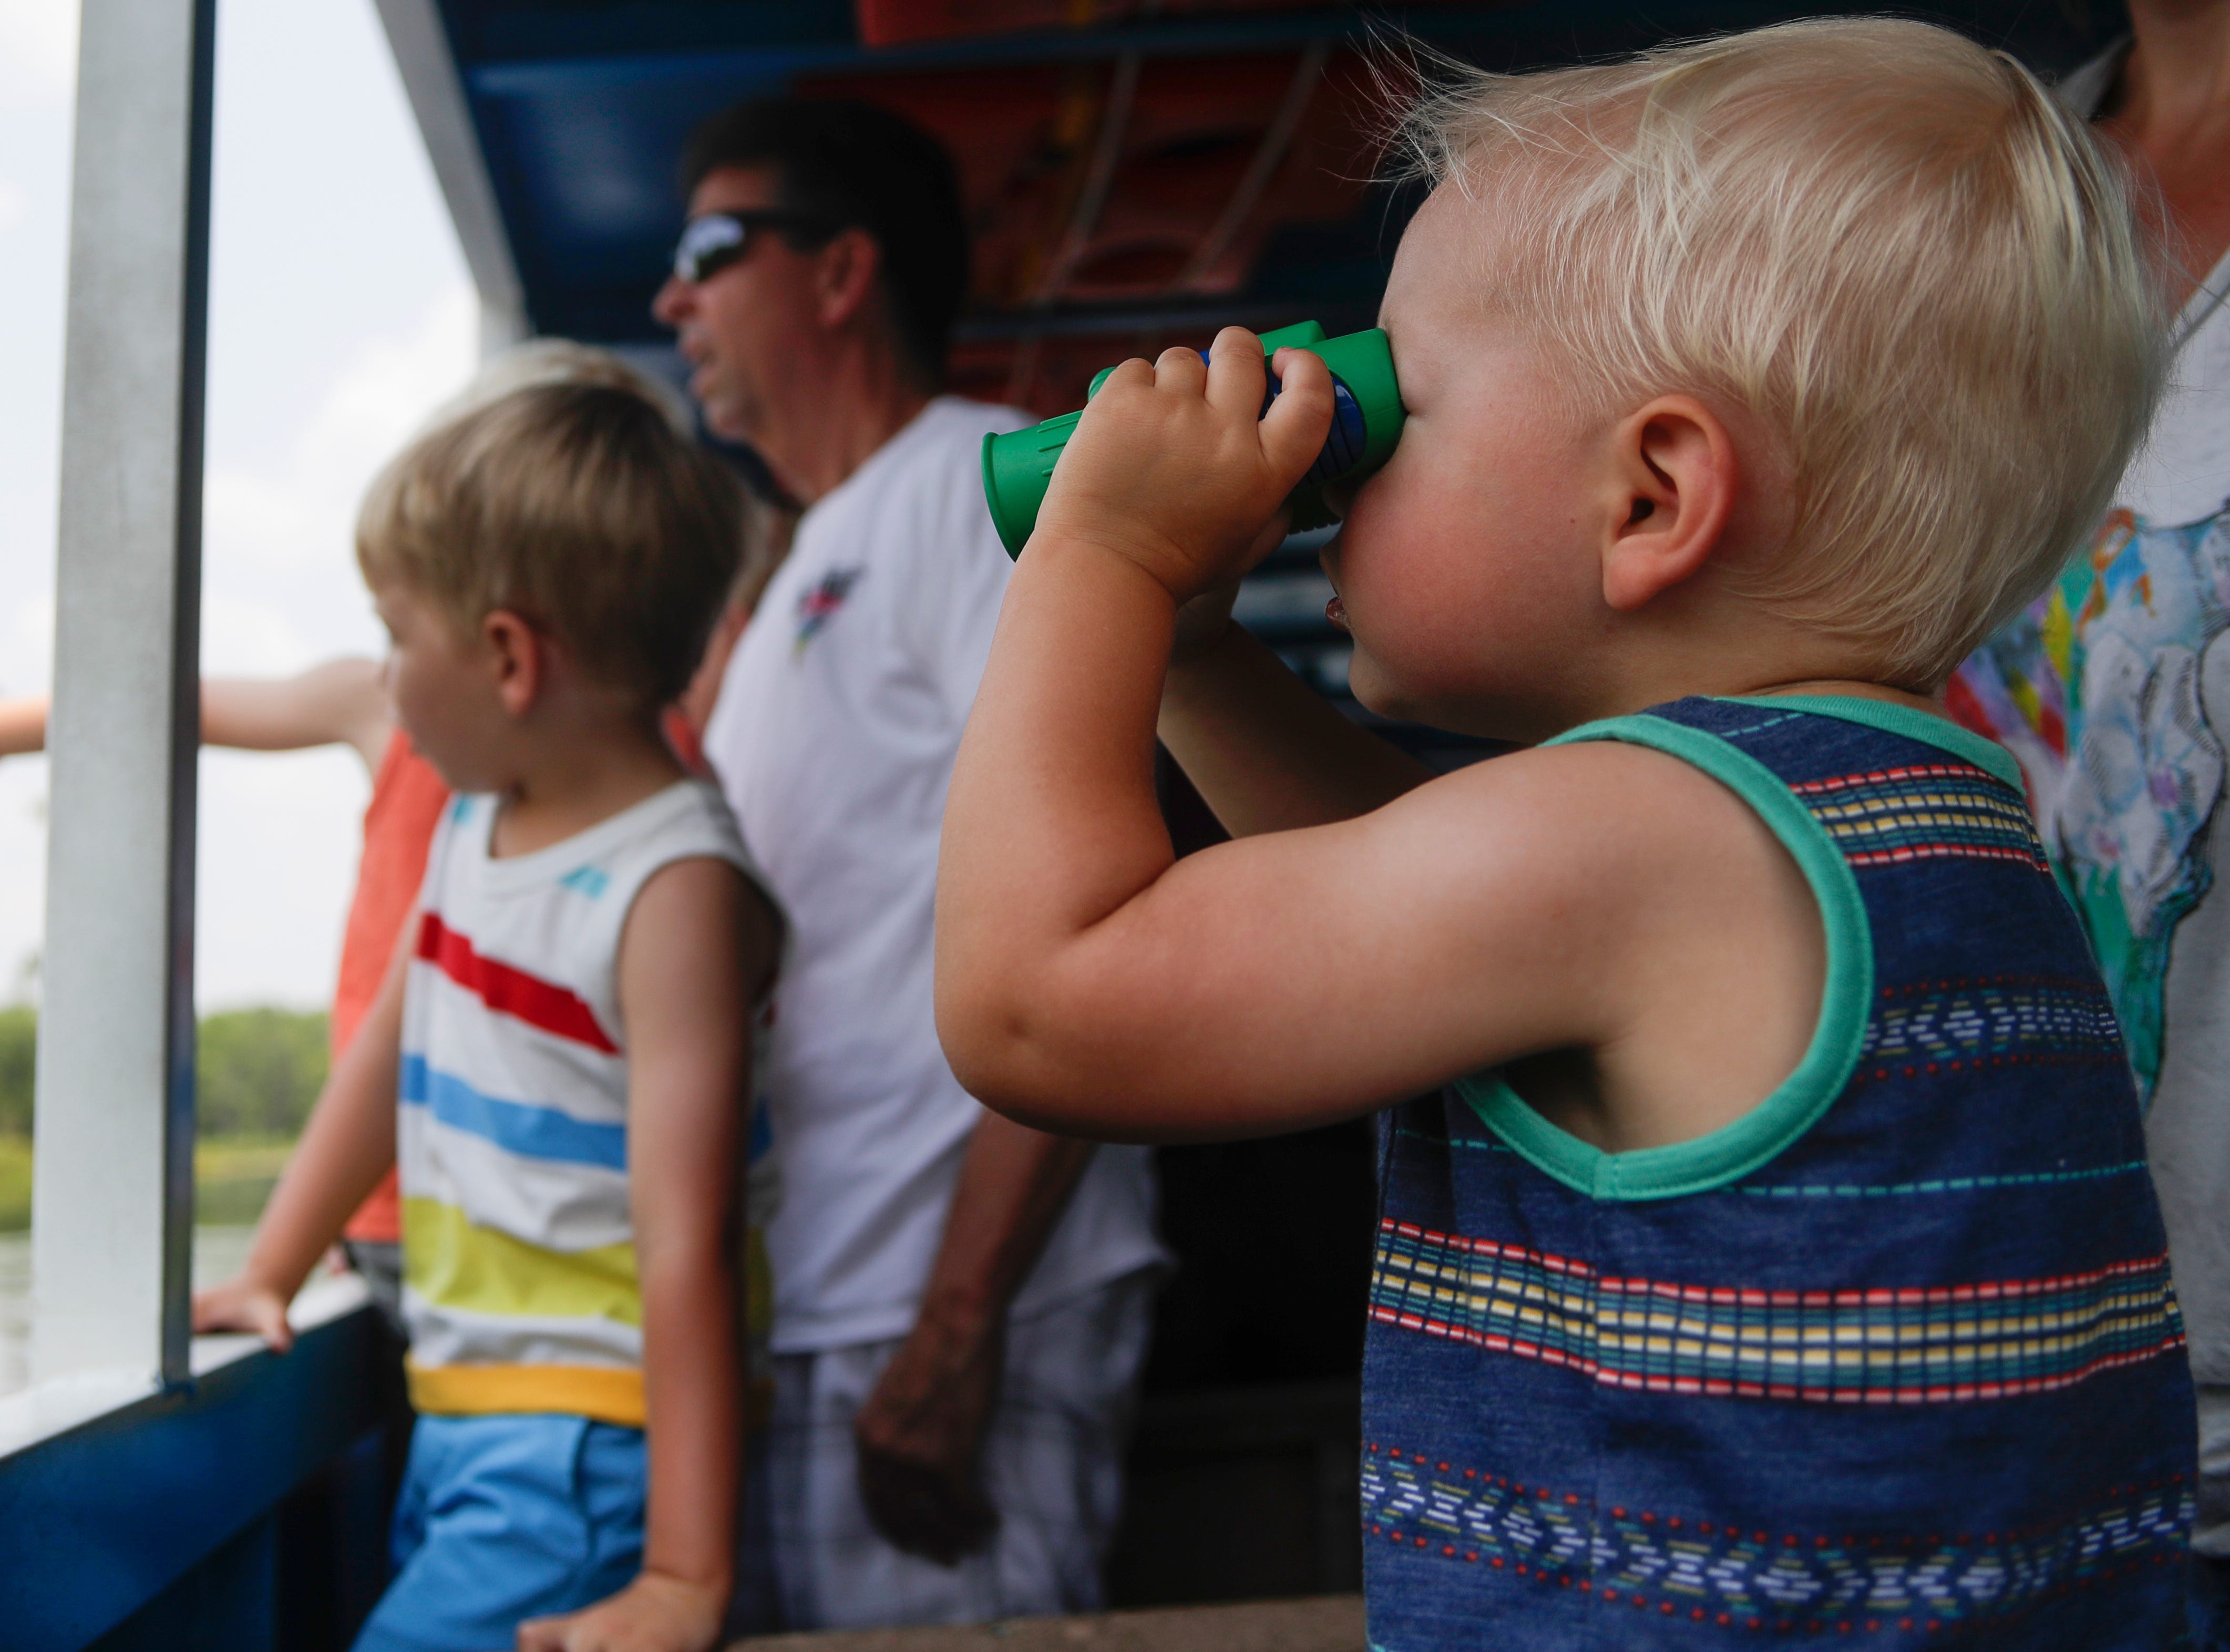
<point x="1775" y="1255"/>
<point x="568" y="1025"/>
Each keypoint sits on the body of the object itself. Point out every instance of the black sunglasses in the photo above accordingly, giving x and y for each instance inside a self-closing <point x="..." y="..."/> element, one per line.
<point x="709" y="244"/>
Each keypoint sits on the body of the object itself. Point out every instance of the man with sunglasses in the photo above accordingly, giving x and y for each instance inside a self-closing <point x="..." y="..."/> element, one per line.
<point x="961" y="1304"/>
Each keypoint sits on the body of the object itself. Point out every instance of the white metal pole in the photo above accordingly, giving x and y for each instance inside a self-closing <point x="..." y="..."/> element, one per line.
<point x="112" y="1186"/>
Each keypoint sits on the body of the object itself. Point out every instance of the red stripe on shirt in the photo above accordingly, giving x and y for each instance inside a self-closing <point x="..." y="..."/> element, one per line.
<point x="510" y="991"/>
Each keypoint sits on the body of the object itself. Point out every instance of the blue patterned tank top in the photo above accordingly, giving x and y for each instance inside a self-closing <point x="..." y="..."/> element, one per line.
<point x="1893" y="1360"/>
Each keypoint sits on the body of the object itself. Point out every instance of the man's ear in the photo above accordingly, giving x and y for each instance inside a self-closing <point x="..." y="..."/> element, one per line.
<point x="844" y="276"/>
<point x="1675" y="477"/>
<point x="518" y="656"/>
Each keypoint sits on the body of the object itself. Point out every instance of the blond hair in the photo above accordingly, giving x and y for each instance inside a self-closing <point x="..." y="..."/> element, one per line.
<point x="562" y="361"/>
<point x="568" y="361"/>
<point x="1896" y="250"/>
<point x="577" y="505"/>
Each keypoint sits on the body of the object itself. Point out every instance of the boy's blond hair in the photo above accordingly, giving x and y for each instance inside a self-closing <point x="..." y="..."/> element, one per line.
<point x="568" y="361"/>
<point x="562" y="361"/>
<point x="1896" y="250"/>
<point x="579" y="507"/>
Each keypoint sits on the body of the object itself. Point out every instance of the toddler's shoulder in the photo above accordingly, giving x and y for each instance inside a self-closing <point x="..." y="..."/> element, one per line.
<point x="1584" y="799"/>
<point x="1601" y="836"/>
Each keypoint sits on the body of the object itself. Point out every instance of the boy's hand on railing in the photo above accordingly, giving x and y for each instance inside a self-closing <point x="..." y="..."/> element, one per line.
<point x="244" y="1304"/>
<point x="1175" y="468"/>
<point x="658" y="1612"/>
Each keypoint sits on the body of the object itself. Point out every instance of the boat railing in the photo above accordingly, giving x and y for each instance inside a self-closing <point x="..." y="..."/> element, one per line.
<point x="156" y="1489"/>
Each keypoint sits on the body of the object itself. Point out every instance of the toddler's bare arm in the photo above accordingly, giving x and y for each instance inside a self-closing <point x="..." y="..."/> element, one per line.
<point x="1606" y="902"/>
<point x="1266" y="753"/>
<point x="347" y="1146"/>
<point x="1087" y="983"/>
<point x="699" y="950"/>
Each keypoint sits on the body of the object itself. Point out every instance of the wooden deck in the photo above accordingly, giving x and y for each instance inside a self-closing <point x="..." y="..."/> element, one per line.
<point x="1327" y="1623"/>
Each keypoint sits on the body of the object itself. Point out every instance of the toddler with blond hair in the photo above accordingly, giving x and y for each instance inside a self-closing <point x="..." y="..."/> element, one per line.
<point x="1770" y="1249"/>
<point x="559" y="1060"/>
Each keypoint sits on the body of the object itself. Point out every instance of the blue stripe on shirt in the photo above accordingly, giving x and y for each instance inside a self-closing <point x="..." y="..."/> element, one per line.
<point x="515" y="1126"/>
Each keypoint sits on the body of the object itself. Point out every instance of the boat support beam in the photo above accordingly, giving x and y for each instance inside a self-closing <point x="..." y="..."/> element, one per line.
<point x="112" y="1182"/>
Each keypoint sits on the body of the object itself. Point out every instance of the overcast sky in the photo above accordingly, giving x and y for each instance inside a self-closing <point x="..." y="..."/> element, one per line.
<point x="340" y="313"/>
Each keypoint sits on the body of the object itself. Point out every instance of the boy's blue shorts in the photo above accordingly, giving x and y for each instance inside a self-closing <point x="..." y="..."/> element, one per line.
<point x="505" y="1517"/>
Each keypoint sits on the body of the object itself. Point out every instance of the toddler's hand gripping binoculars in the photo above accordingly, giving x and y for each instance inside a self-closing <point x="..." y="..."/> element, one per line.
<point x="1366" y="421"/>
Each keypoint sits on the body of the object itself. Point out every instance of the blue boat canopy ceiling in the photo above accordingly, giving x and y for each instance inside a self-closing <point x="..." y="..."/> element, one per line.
<point x="1137" y="174"/>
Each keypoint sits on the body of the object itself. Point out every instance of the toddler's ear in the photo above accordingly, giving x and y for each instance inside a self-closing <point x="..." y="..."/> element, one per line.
<point x="1674" y="475"/>
<point x="515" y="658"/>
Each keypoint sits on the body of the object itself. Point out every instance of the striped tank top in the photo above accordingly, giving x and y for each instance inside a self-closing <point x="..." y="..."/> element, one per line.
<point x="519" y="1284"/>
<point x="1893" y="1360"/>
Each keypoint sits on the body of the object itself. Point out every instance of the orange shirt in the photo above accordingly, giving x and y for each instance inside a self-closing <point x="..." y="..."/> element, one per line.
<point x="406" y="800"/>
<point x="685" y="740"/>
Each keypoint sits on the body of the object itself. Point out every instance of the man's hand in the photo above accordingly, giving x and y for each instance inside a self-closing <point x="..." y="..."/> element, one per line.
<point x="1175" y="468"/>
<point x="244" y="1304"/>
<point x="920" y="1432"/>
<point x="655" y="1613"/>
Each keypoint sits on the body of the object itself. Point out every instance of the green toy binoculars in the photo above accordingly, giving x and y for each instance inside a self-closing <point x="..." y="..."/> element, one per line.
<point x="1366" y="422"/>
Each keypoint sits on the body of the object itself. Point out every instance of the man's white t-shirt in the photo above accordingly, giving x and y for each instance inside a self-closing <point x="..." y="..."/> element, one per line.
<point x="833" y="739"/>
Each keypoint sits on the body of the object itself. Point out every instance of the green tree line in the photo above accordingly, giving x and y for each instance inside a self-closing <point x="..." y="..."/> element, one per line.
<point x="256" y="1071"/>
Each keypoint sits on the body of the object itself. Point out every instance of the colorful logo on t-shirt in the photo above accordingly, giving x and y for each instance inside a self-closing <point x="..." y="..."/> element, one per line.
<point x="818" y="606"/>
<point x="2114" y="692"/>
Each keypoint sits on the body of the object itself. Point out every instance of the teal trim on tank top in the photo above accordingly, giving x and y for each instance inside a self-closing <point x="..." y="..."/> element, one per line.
<point x="1893" y="719"/>
<point x="1733" y="1151"/>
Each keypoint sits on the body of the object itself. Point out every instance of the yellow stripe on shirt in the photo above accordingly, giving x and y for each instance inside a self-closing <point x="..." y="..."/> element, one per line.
<point x="449" y="1261"/>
